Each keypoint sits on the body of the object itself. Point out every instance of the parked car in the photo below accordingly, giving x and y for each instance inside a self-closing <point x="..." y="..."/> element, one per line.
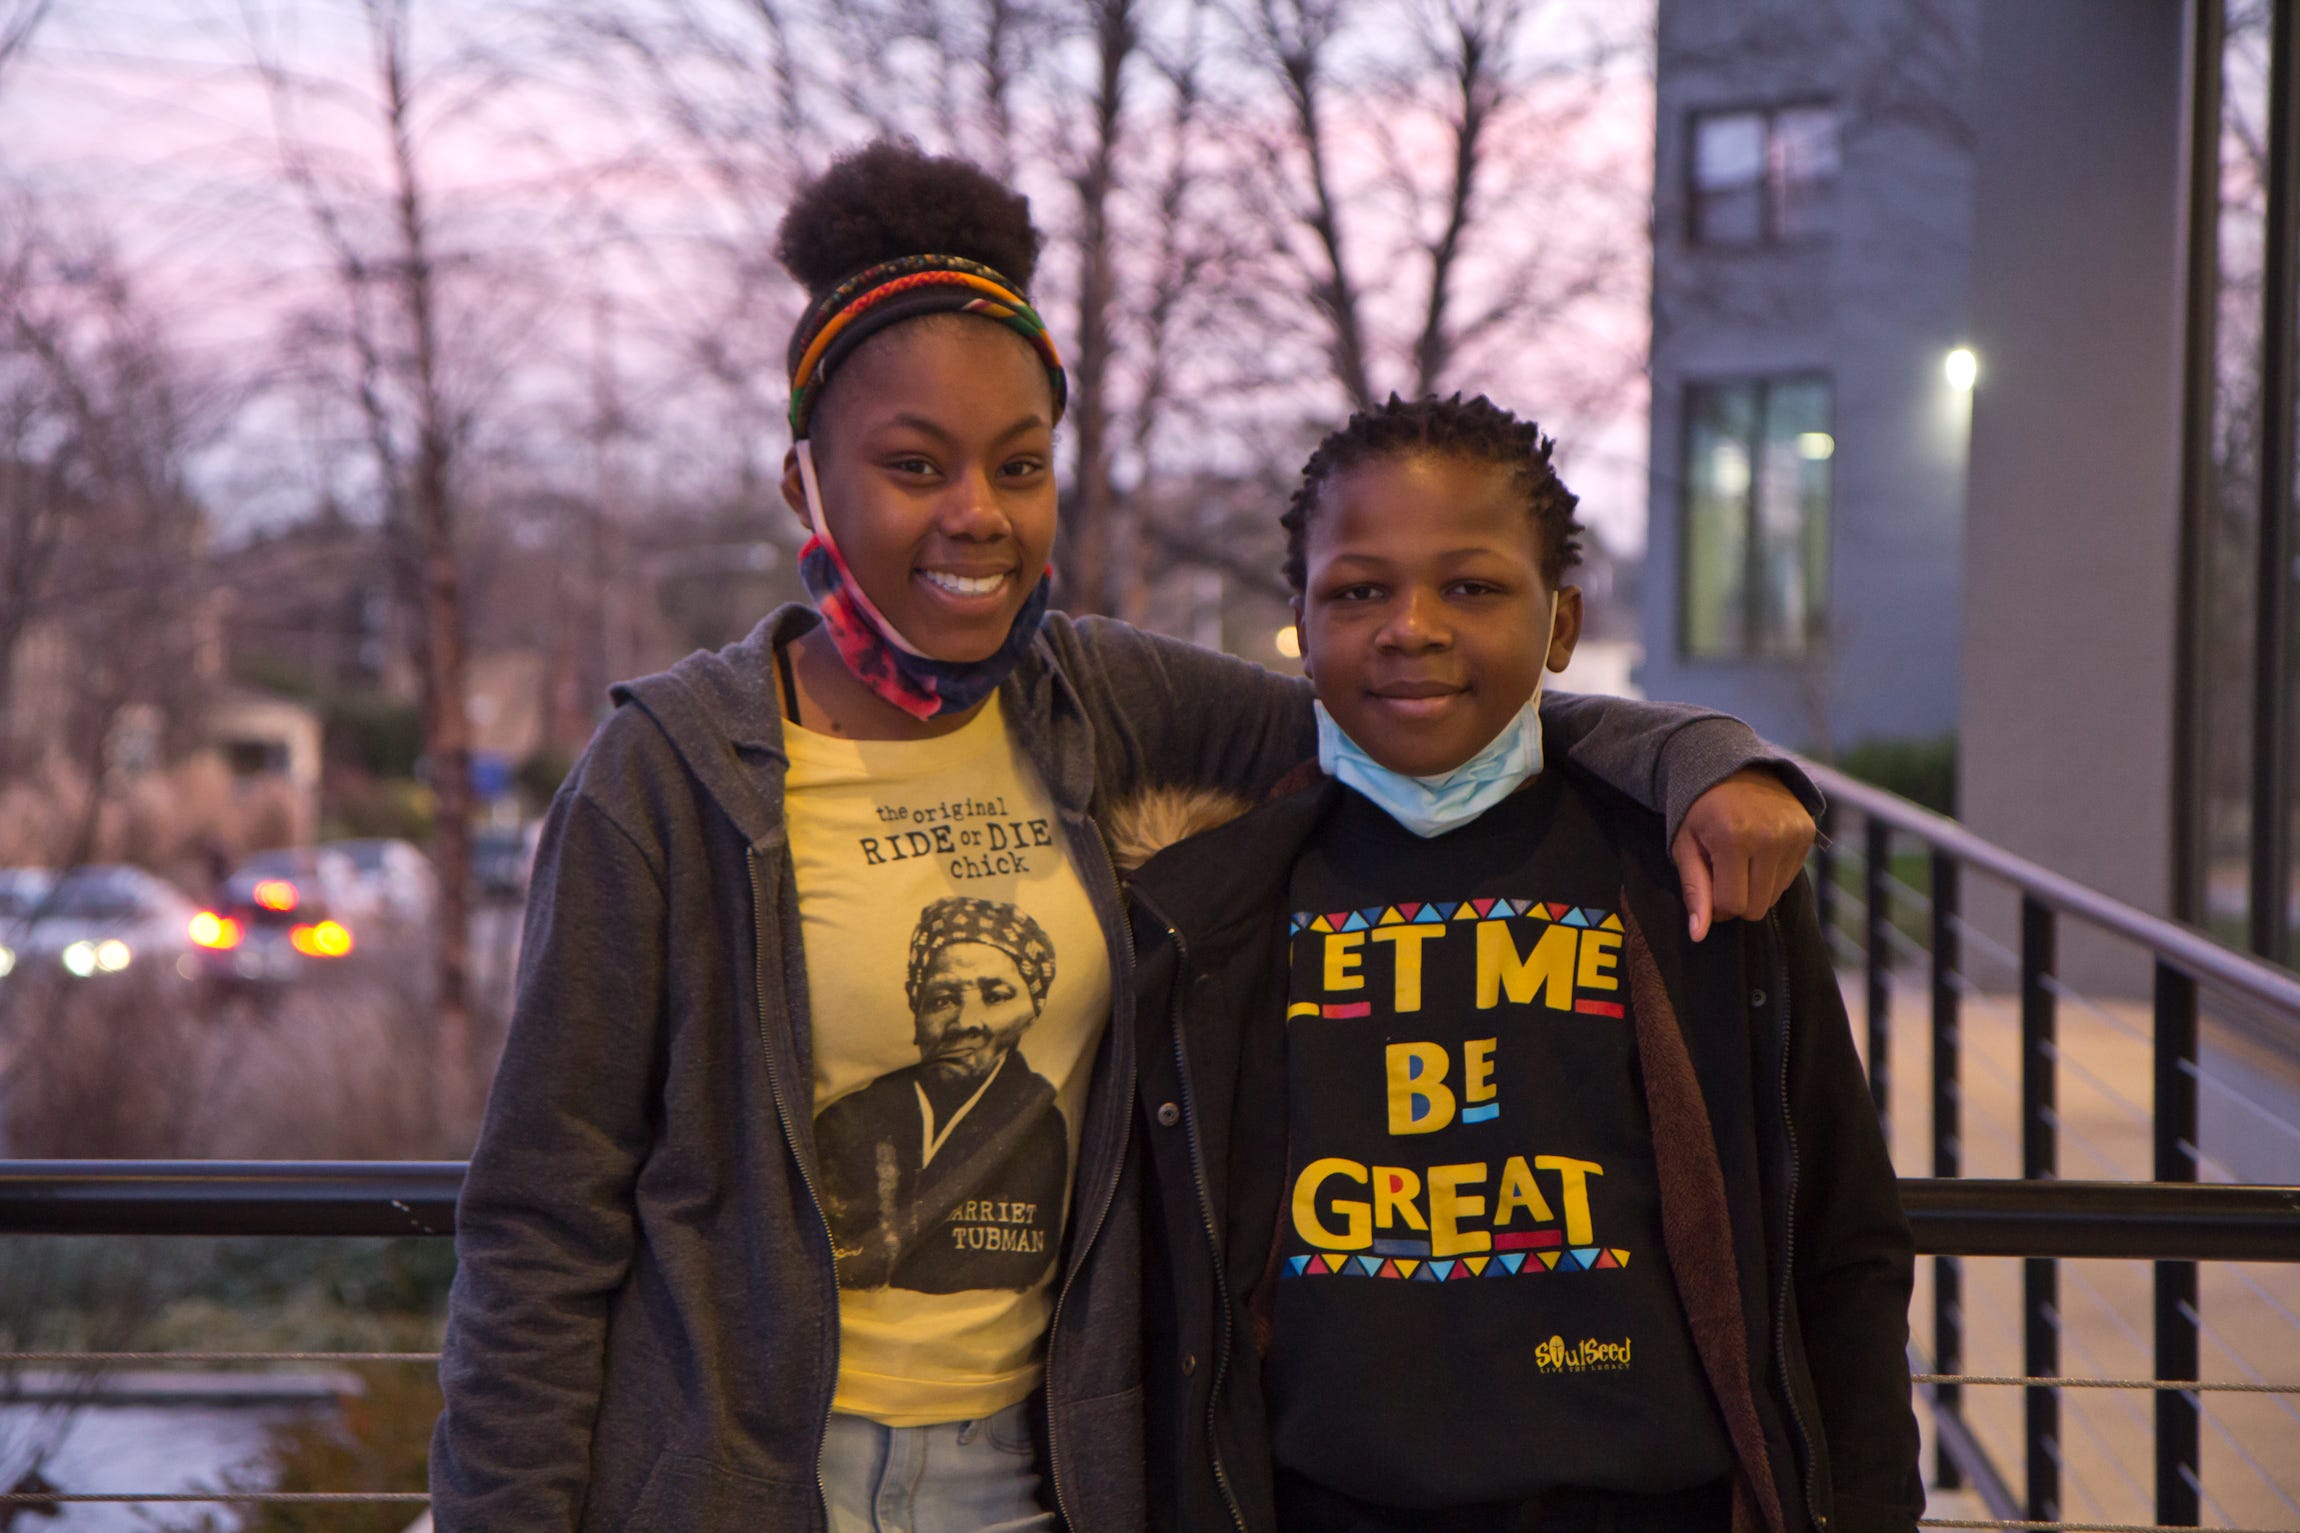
<point x="392" y="882"/>
<point x="103" y="918"/>
<point x="21" y="891"/>
<point x="501" y="858"/>
<point x="276" y="919"/>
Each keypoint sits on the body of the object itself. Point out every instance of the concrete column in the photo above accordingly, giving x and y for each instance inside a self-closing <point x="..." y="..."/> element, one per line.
<point x="2071" y="545"/>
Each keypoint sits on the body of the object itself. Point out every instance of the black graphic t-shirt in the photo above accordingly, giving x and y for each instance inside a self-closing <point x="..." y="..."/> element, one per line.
<point x="1472" y="1301"/>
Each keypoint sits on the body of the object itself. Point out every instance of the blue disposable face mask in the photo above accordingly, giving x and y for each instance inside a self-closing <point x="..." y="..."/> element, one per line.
<point x="1431" y="806"/>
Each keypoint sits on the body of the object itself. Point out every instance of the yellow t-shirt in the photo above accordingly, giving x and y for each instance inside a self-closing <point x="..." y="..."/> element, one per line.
<point x="959" y="985"/>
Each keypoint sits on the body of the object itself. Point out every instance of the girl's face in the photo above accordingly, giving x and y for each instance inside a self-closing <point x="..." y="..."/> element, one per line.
<point x="934" y="450"/>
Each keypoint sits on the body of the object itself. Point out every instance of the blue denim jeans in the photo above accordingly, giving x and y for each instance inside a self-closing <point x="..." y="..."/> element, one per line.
<point x="958" y="1477"/>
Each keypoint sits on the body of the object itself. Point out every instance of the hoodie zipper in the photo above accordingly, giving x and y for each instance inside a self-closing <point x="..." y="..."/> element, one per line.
<point x="1789" y="1233"/>
<point x="1122" y="980"/>
<point x="790" y="1137"/>
<point x="1205" y="1215"/>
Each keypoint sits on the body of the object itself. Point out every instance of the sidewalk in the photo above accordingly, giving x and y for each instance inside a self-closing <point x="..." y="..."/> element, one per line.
<point x="2251" y="1311"/>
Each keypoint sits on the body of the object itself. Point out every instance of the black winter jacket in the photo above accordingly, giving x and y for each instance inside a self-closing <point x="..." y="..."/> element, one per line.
<point x="1821" y="1249"/>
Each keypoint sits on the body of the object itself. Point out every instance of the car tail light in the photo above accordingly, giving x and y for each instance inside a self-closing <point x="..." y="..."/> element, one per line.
<point x="220" y="933"/>
<point x="276" y="894"/>
<point x="323" y="939"/>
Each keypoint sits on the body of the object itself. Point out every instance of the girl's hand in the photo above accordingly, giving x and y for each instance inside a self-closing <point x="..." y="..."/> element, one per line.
<point x="1740" y="848"/>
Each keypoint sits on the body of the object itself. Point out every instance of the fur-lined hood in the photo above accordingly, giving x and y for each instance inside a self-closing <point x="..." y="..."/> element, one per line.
<point x="1142" y="827"/>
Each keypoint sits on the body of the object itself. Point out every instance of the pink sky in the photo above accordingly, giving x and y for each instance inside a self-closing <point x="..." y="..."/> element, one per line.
<point x="138" y="118"/>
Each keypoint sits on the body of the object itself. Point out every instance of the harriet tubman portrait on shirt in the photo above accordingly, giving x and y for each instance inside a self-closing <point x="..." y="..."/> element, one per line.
<point x="948" y="1175"/>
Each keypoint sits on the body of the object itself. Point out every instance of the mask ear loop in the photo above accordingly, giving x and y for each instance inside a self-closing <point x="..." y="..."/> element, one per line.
<point x="1548" y="638"/>
<point x="820" y="524"/>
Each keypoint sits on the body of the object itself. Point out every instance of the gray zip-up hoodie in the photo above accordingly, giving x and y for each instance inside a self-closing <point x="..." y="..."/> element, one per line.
<point x="643" y="1332"/>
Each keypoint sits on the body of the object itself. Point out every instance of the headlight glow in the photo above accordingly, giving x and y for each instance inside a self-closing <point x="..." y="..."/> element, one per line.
<point x="80" y="959"/>
<point x="210" y="930"/>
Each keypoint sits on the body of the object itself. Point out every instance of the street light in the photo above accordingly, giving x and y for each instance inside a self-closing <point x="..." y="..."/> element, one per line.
<point x="1963" y="369"/>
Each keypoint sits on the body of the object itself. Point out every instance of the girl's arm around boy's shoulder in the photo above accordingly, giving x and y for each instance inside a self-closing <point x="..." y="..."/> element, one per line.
<point x="1170" y="714"/>
<point x="545" y="1226"/>
<point x="1854" y="1261"/>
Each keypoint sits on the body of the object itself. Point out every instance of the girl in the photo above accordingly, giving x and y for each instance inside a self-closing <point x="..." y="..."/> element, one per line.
<point x="816" y="1092"/>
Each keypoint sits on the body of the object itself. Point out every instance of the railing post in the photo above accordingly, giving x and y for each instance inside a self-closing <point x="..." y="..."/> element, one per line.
<point x="1948" y="1272"/>
<point x="2040" y="1276"/>
<point x="2178" y="1467"/>
<point x="1877" y="854"/>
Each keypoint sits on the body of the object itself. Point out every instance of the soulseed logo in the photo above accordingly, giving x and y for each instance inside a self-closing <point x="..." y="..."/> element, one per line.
<point x="1557" y="1355"/>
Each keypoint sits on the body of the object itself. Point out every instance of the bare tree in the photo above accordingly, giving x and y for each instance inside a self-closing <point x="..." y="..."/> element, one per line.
<point x="1420" y="172"/>
<point x="380" y="234"/>
<point x="1217" y="213"/>
<point x="19" y="19"/>
<point x="100" y="536"/>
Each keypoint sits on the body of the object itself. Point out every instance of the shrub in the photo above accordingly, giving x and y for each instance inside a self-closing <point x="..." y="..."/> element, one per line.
<point x="1923" y="771"/>
<point x="378" y="734"/>
<point x="357" y="803"/>
<point x="541" y="774"/>
<point x="378" y="1440"/>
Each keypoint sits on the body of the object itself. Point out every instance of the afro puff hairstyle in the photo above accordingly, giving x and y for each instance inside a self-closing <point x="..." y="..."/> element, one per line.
<point x="891" y="199"/>
<point x="1476" y="429"/>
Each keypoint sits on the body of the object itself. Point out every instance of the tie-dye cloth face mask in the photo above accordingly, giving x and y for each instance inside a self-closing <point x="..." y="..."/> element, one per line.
<point x="876" y="652"/>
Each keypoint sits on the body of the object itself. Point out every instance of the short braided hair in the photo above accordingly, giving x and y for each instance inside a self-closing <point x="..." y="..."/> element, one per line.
<point x="1475" y="428"/>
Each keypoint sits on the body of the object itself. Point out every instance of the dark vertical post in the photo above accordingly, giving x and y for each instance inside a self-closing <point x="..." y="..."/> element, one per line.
<point x="2177" y="1464"/>
<point x="2199" y="454"/>
<point x="2040" y="1276"/>
<point x="1877" y="856"/>
<point x="1948" y="1273"/>
<point x="2272" y="635"/>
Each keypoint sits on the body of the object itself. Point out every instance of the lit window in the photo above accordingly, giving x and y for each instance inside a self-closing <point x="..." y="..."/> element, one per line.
<point x="1763" y="177"/>
<point x="1756" y="518"/>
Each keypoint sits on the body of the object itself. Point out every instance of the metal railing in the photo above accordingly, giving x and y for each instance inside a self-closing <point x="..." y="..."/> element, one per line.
<point x="2183" y="961"/>
<point x="1952" y="1218"/>
<point x="2173" y="1221"/>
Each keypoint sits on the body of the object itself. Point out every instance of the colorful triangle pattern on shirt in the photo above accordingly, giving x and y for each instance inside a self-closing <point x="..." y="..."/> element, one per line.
<point x="1457" y="1269"/>
<point x="1438" y="912"/>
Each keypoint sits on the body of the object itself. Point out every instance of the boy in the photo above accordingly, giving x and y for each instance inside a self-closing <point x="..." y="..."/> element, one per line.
<point x="1480" y="1197"/>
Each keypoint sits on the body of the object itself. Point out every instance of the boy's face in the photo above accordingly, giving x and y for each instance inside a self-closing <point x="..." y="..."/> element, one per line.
<point x="1425" y="622"/>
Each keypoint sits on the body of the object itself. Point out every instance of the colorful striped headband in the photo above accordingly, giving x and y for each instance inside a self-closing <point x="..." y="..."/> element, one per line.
<point x="893" y="291"/>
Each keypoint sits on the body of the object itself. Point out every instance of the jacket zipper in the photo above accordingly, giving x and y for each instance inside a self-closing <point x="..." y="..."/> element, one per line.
<point x="1789" y="1233"/>
<point x="790" y="1137"/>
<point x="1205" y="1218"/>
<point x="1122" y="979"/>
